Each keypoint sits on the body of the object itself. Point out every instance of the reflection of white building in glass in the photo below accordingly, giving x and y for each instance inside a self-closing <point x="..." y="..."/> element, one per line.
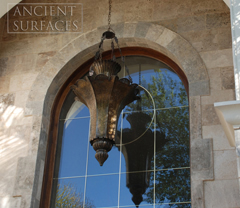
<point x="193" y="37"/>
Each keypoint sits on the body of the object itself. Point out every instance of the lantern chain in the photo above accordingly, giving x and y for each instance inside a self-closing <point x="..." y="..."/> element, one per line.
<point x="109" y="14"/>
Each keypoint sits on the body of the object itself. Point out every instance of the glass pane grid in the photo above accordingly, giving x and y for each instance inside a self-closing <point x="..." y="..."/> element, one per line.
<point x="150" y="205"/>
<point x="87" y="176"/>
<point x="82" y="176"/>
<point x="157" y="109"/>
<point x="97" y="182"/>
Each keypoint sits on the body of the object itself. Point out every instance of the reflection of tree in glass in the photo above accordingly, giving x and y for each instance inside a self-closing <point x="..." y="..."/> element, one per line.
<point x="68" y="197"/>
<point x="172" y="119"/>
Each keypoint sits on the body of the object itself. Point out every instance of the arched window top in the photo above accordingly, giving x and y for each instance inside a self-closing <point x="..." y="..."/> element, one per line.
<point x="151" y="156"/>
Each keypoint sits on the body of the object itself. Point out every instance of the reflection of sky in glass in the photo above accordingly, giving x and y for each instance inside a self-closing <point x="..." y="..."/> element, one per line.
<point x="72" y="163"/>
<point x="103" y="190"/>
<point x="106" y="186"/>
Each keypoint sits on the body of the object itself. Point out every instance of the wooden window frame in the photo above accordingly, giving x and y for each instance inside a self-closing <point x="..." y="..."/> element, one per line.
<point x="61" y="96"/>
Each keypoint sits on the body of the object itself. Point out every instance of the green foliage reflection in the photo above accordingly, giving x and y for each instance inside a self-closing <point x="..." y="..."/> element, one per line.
<point x="172" y="120"/>
<point x="69" y="197"/>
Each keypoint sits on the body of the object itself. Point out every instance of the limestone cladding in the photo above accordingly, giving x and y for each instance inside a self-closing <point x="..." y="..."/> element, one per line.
<point x="195" y="34"/>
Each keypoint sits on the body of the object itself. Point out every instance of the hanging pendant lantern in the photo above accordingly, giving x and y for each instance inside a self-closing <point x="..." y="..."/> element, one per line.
<point x="105" y="95"/>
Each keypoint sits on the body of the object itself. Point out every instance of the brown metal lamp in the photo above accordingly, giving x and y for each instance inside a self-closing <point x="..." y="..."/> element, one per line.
<point x="105" y="95"/>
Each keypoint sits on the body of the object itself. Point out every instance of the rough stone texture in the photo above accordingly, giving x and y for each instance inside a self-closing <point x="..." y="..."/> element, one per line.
<point x="225" y="164"/>
<point x="199" y="88"/>
<point x="16" y="201"/>
<point x="166" y="37"/>
<point x="195" y="117"/>
<point x="129" y="29"/>
<point x="194" y="34"/>
<point x="218" y="96"/>
<point x="170" y="24"/>
<point x="38" y="195"/>
<point x="162" y="9"/>
<point x="3" y="65"/>
<point x="202" y="159"/>
<point x="14" y="48"/>
<point x="22" y="82"/>
<point x="191" y="62"/>
<point x="206" y="6"/>
<point x="220" y="58"/>
<point x="6" y="100"/>
<point x="142" y="29"/>
<point x="33" y="108"/>
<point x="216" y="132"/>
<point x="6" y="118"/>
<point x="209" y="116"/>
<point x="68" y="52"/>
<point x="41" y="84"/>
<point x="215" y="79"/>
<point x="14" y="135"/>
<point x="209" y="40"/>
<point x="21" y="98"/>
<point x="4" y="84"/>
<point x="227" y="78"/>
<point x="154" y="32"/>
<point x="195" y="23"/>
<point x="42" y="59"/>
<point x="221" y="193"/>
<point x="197" y="194"/>
<point x="24" y="177"/>
<point x="7" y="186"/>
<point x="218" y="20"/>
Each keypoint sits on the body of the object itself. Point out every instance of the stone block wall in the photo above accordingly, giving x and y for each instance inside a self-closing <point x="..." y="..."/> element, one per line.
<point x="196" y="34"/>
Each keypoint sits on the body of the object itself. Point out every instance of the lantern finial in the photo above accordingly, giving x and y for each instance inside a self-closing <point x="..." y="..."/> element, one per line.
<point x="105" y="95"/>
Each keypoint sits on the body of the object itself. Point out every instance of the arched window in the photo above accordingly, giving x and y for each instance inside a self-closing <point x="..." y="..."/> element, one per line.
<point x="150" y="162"/>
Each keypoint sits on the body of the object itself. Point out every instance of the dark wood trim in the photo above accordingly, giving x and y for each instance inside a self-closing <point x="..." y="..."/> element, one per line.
<point x="61" y="96"/>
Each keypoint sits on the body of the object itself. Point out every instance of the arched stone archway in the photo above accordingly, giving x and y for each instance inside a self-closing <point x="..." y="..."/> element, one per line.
<point x="143" y="34"/>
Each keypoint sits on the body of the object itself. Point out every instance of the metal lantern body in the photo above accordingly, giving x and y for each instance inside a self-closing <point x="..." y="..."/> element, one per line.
<point x="105" y="95"/>
<point x="139" y="153"/>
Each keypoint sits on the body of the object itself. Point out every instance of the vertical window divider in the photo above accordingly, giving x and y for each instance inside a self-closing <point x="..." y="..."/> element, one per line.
<point x="86" y="172"/>
<point x="154" y="170"/>
<point x="120" y="158"/>
<point x="120" y="161"/>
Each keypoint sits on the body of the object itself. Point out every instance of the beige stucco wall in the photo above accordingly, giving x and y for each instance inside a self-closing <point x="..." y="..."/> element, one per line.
<point x="195" y="34"/>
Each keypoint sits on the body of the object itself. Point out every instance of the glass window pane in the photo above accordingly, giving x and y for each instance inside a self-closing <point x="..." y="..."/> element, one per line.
<point x="173" y="186"/>
<point x="137" y="145"/>
<point x="104" y="190"/>
<point x="111" y="165"/>
<point x="155" y="139"/>
<point x="74" y="148"/>
<point x="69" y="193"/>
<point x="174" y="205"/>
<point x="141" y="206"/>
<point x="134" y="186"/>
<point x="173" y="125"/>
<point x="78" y="110"/>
